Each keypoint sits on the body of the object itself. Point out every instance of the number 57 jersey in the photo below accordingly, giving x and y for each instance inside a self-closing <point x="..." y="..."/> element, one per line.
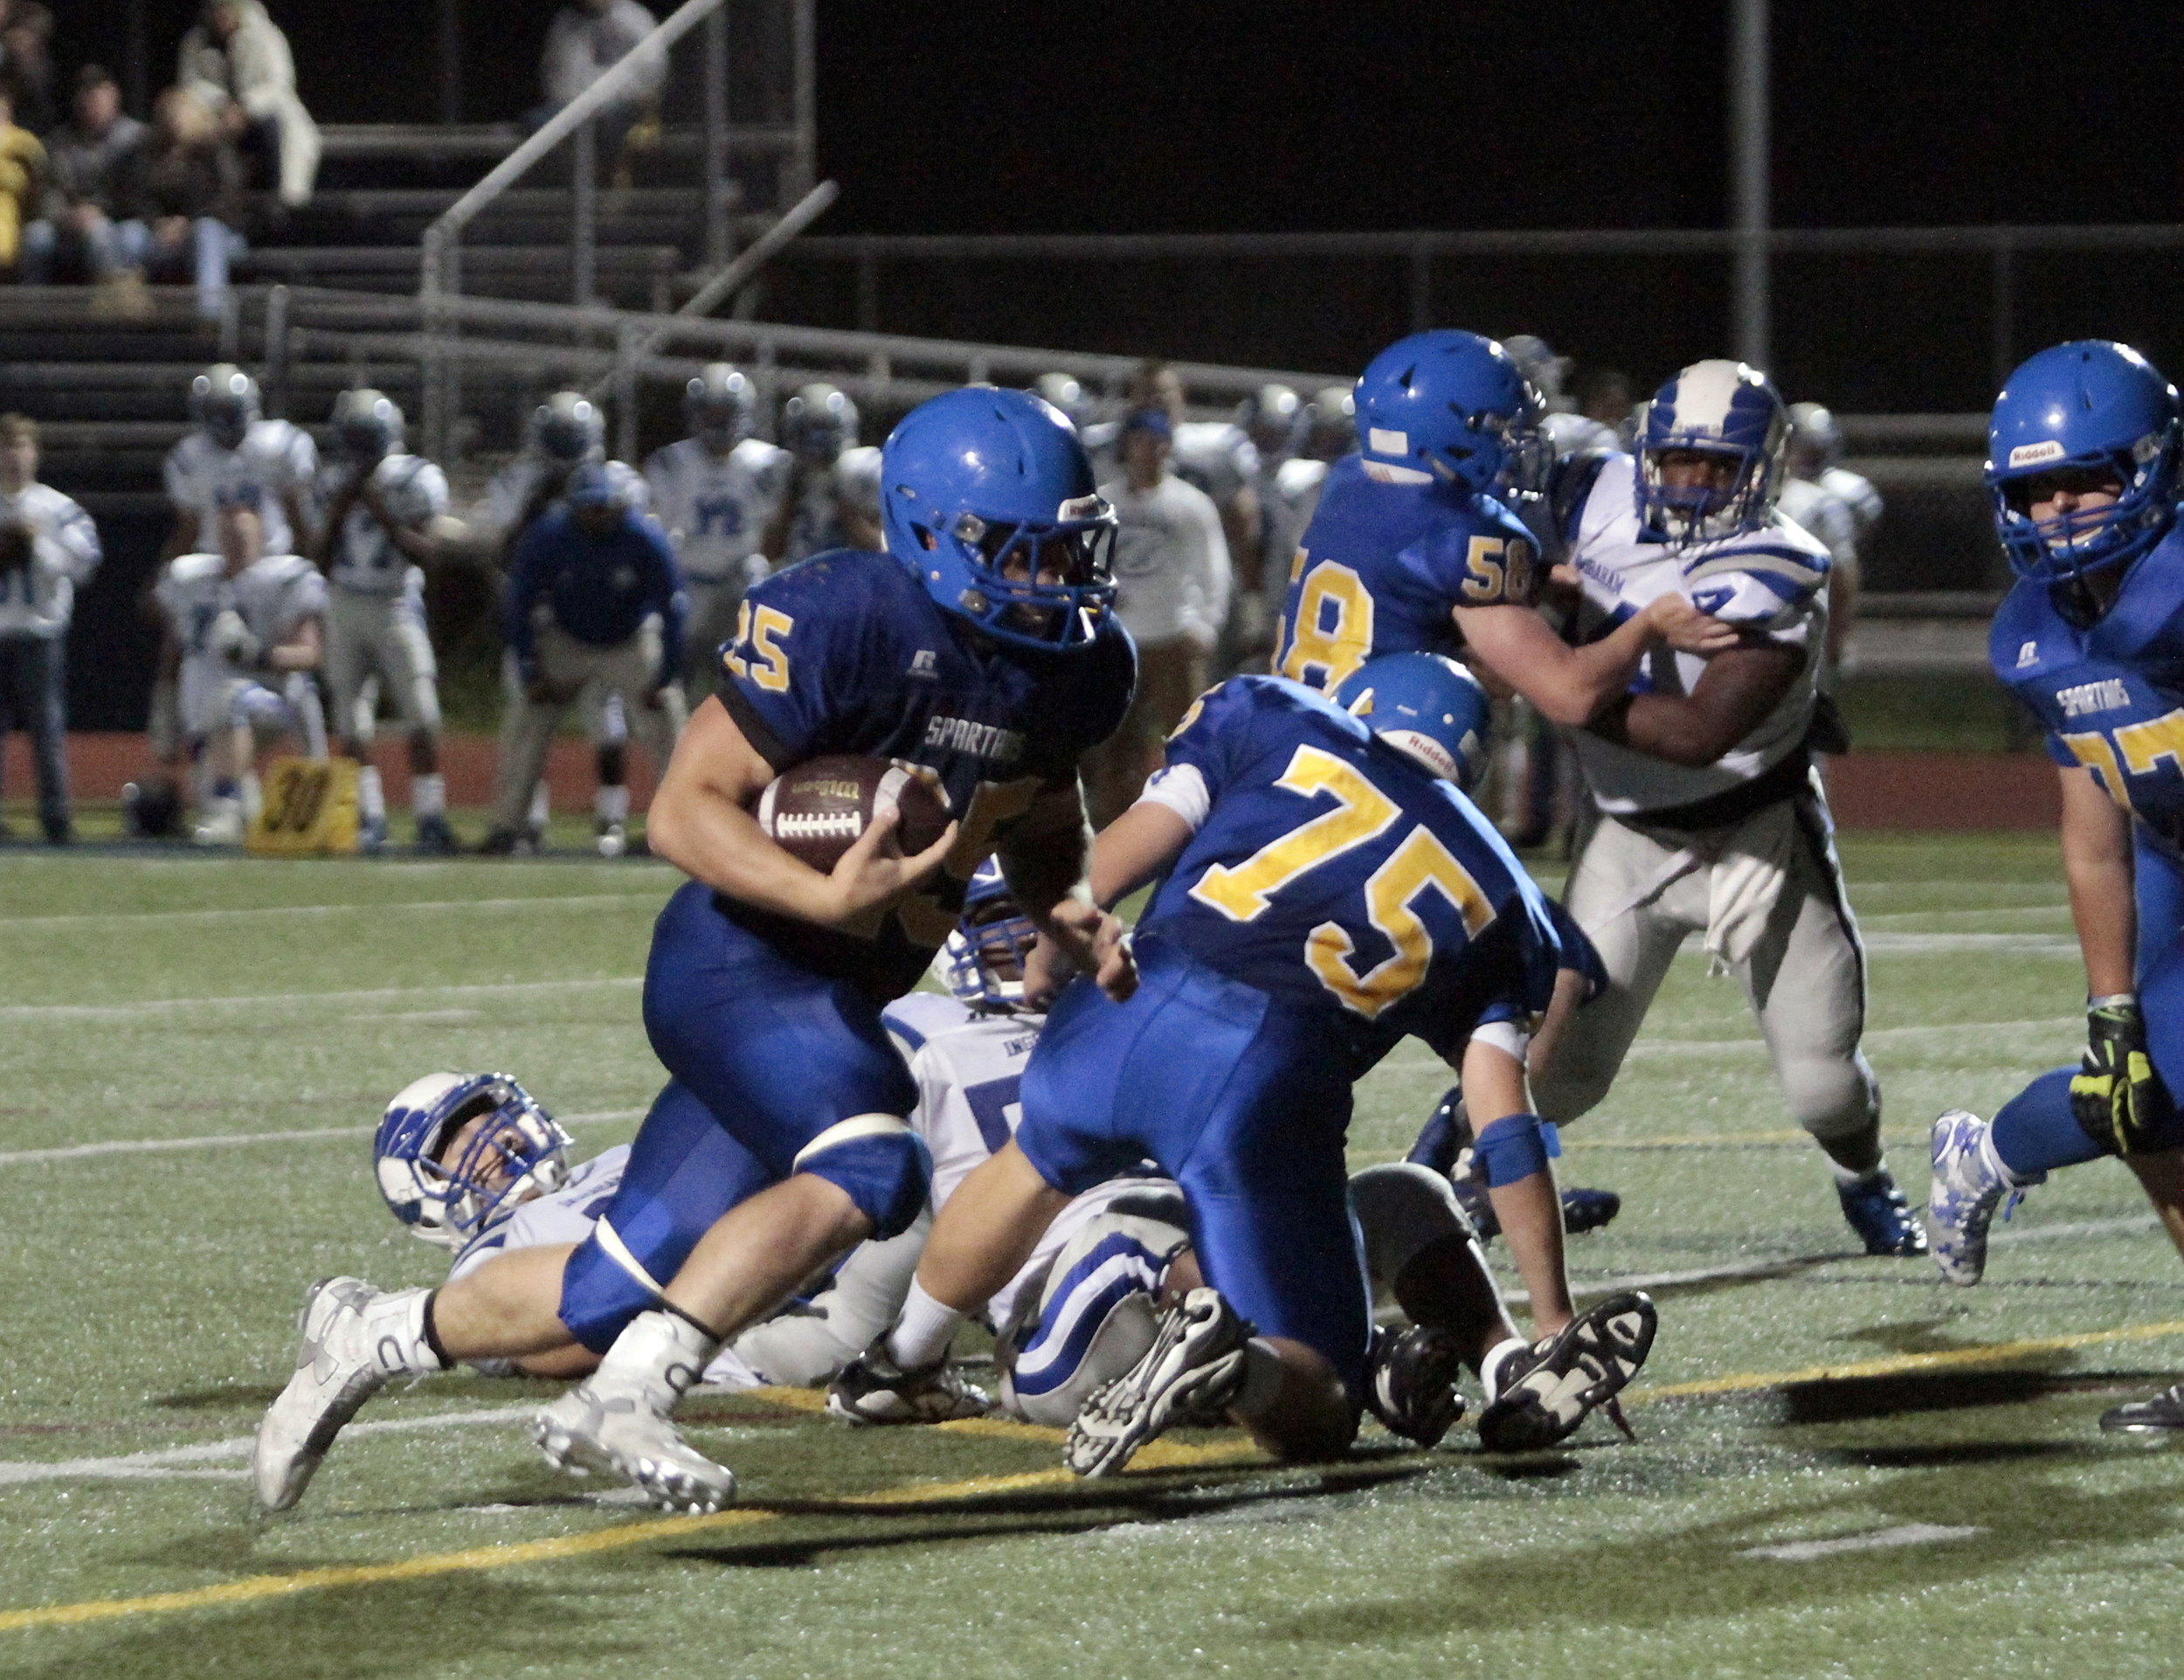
<point x="2110" y="694"/>
<point x="1329" y="871"/>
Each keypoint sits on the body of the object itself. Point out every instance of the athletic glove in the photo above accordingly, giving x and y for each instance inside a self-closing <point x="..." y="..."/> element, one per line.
<point x="2117" y="1097"/>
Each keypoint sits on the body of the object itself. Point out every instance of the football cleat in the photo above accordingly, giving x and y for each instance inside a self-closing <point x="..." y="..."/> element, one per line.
<point x="1193" y="1369"/>
<point x="2147" y="1417"/>
<point x="1966" y="1190"/>
<point x="371" y="836"/>
<point x="874" y="1389"/>
<point x="1410" y="1382"/>
<point x="339" y="1366"/>
<point x="1547" y="1391"/>
<point x="436" y="838"/>
<point x="1876" y="1211"/>
<point x="222" y="824"/>
<point x="585" y="1430"/>
<point x="613" y="839"/>
<point x="501" y="843"/>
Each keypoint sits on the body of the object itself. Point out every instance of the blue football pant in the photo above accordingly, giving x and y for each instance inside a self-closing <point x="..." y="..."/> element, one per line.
<point x="1245" y="1104"/>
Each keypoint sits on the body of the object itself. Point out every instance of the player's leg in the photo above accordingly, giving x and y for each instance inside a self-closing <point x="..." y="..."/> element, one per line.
<point x="351" y="653"/>
<point x="609" y="736"/>
<point x="1807" y="983"/>
<point x="709" y="622"/>
<point x="405" y="654"/>
<point x="1624" y="891"/>
<point x="526" y="729"/>
<point x="656" y="717"/>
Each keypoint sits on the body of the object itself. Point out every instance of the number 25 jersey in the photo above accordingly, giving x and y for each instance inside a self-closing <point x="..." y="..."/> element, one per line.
<point x="1382" y="566"/>
<point x="2111" y="695"/>
<point x="1330" y="871"/>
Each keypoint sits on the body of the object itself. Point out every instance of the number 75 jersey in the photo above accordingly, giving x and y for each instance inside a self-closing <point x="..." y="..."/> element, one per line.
<point x="1328" y="870"/>
<point x="1383" y="564"/>
<point x="2111" y="695"/>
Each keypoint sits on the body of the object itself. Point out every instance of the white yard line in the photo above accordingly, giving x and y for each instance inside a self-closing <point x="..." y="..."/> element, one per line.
<point x="438" y="906"/>
<point x="306" y="999"/>
<point x="229" y="1140"/>
<point x="1879" y="1540"/>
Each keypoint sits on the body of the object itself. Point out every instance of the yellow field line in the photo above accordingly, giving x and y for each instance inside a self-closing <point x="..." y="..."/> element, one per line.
<point x="1159" y="1454"/>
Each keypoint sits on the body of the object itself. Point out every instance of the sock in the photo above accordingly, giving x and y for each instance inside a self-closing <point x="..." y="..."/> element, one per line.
<point x="925" y="1331"/>
<point x="372" y="798"/>
<point x="1496" y="1356"/>
<point x="394" y="1327"/>
<point x="252" y="798"/>
<point x="1262" y="1380"/>
<point x="2035" y="1129"/>
<point x="611" y="804"/>
<point x="659" y="1357"/>
<point x="428" y="795"/>
<point x="540" y="808"/>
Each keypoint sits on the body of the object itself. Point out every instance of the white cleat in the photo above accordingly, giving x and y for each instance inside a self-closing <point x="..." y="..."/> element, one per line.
<point x="1966" y="1190"/>
<point x="1553" y="1386"/>
<point x="585" y="1431"/>
<point x="223" y="823"/>
<point x="338" y="1367"/>
<point x="1193" y="1369"/>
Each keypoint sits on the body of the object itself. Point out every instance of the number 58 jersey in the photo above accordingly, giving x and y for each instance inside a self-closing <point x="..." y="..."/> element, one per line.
<point x="2110" y="694"/>
<point x="1384" y="564"/>
<point x="1328" y="870"/>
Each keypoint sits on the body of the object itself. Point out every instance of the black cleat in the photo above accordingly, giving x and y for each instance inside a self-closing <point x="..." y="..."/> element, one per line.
<point x="1410" y="1382"/>
<point x="2147" y="1417"/>
<point x="1547" y="1391"/>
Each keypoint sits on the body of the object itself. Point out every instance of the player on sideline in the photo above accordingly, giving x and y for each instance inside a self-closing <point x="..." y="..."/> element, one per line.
<point x="2083" y="465"/>
<point x="981" y="648"/>
<point x="231" y="444"/>
<point x="1711" y="818"/>
<point x="382" y="507"/>
<point x="716" y="491"/>
<point x="1324" y="891"/>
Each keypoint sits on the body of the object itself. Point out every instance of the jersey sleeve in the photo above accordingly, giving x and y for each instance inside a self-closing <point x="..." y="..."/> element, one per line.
<point x="1775" y="589"/>
<point x="1213" y="742"/>
<point x="790" y="676"/>
<point x="1488" y="562"/>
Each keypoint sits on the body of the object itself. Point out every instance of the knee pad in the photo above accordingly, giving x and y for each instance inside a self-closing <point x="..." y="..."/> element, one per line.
<point x="602" y="1286"/>
<point x="1097" y="1316"/>
<point x="877" y="1162"/>
<point x="1832" y="1096"/>
<point x="1513" y="1148"/>
<point x="1402" y="1209"/>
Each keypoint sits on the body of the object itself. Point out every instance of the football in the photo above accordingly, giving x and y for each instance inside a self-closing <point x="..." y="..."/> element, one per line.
<point x="815" y="811"/>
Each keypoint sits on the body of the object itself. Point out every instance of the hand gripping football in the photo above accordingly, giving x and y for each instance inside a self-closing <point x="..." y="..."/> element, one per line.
<point x="815" y="811"/>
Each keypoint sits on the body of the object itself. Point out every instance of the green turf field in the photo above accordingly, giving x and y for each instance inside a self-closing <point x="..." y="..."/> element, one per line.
<point x="1842" y="1467"/>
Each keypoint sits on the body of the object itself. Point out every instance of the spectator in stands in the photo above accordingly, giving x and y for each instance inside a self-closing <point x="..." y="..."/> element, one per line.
<point x="587" y="39"/>
<point x="235" y="61"/>
<point x="48" y="546"/>
<point x="1171" y="575"/>
<point x="87" y="159"/>
<point x="26" y="65"/>
<point x="184" y="195"/>
<point x="22" y="177"/>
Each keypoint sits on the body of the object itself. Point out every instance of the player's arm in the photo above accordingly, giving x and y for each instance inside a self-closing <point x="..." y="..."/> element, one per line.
<point x="1574" y="685"/>
<point x="1520" y="1181"/>
<point x="1730" y="698"/>
<point x="319" y="546"/>
<point x="1138" y="847"/>
<point x="700" y="821"/>
<point x="666" y="597"/>
<point x="1045" y="855"/>
<point x="302" y="651"/>
<point x="2096" y="864"/>
<point x="420" y="542"/>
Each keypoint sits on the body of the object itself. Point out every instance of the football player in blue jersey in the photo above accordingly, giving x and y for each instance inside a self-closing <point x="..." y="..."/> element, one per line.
<point x="980" y="647"/>
<point x="1410" y="544"/>
<point x="1324" y="890"/>
<point x="2083" y="466"/>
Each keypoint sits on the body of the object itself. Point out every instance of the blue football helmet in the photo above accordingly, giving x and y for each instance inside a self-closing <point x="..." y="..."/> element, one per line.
<point x="1716" y="407"/>
<point x="982" y="961"/>
<point x="980" y="483"/>
<point x="2089" y="405"/>
<point x="367" y="425"/>
<point x="223" y="401"/>
<point x="717" y="406"/>
<point x="521" y="1152"/>
<point x="568" y="427"/>
<point x="1428" y="707"/>
<point x="1454" y="406"/>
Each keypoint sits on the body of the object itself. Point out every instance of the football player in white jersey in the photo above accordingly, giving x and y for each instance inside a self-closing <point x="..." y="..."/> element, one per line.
<point x="1711" y="819"/>
<point x="244" y="630"/>
<point x="563" y="432"/>
<point x="818" y="423"/>
<point x="233" y="444"/>
<point x="716" y="491"/>
<point x="1839" y="506"/>
<point x="384" y="507"/>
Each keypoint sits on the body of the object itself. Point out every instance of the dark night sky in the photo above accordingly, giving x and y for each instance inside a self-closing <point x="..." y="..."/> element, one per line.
<point x="989" y="115"/>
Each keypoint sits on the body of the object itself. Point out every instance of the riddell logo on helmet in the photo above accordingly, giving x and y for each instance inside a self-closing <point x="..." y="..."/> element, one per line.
<point x="1384" y="442"/>
<point x="2032" y="454"/>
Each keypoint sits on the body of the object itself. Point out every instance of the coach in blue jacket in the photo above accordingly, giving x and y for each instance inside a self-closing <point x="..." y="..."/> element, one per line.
<point x="594" y="607"/>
